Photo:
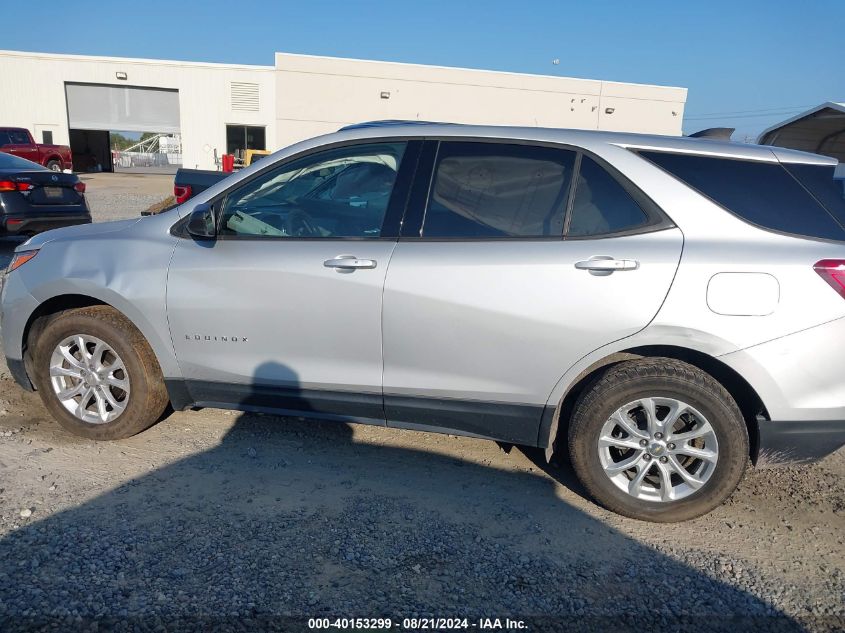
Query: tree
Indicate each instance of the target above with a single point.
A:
(119, 142)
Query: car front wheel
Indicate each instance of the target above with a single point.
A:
(658, 440)
(97, 375)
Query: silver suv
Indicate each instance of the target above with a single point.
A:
(664, 309)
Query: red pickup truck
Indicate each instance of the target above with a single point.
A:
(18, 141)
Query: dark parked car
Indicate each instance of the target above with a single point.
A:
(35, 199)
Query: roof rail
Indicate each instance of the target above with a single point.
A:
(387, 123)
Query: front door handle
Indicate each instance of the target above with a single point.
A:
(348, 262)
(604, 265)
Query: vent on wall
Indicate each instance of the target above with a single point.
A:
(244, 96)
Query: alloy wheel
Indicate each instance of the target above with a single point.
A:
(89, 379)
(658, 449)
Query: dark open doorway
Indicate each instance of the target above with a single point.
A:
(90, 149)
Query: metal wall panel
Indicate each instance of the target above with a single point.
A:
(123, 108)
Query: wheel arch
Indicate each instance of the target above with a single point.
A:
(69, 301)
(746, 397)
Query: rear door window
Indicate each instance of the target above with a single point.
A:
(601, 205)
(762, 193)
(492, 190)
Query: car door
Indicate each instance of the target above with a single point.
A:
(282, 310)
(515, 261)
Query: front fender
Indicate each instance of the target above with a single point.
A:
(125, 268)
(159, 340)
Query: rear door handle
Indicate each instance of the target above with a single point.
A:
(604, 265)
(349, 262)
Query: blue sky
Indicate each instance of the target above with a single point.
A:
(747, 64)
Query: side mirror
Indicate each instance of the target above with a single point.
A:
(201, 223)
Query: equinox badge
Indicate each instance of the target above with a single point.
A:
(221, 339)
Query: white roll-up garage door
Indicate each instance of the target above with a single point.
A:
(122, 108)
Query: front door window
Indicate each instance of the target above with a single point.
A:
(334, 194)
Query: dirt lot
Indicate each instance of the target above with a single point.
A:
(219, 515)
(214, 520)
(121, 196)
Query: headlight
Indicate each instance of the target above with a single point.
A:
(21, 258)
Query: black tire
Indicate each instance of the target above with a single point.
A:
(147, 398)
(668, 378)
(53, 165)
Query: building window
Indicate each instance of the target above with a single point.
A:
(243, 137)
(47, 137)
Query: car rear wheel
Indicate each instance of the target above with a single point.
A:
(54, 165)
(658, 440)
(97, 375)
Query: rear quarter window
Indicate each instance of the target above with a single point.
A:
(764, 194)
(819, 181)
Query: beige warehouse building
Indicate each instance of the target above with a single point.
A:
(199, 111)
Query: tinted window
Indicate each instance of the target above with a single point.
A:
(339, 193)
(819, 180)
(496, 190)
(764, 194)
(7, 161)
(601, 204)
(4, 139)
(19, 138)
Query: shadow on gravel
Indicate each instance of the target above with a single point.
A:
(288, 519)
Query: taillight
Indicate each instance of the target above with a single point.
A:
(10, 185)
(80, 187)
(181, 193)
(833, 272)
(21, 258)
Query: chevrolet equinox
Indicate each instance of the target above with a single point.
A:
(666, 310)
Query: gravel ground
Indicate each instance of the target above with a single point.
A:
(220, 521)
(120, 196)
